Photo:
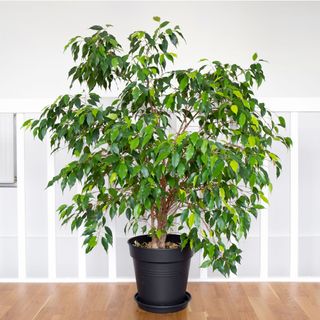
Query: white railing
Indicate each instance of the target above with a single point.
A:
(22, 106)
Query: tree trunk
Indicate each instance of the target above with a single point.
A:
(157, 243)
(162, 221)
(161, 217)
(154, 242)
(162, 241)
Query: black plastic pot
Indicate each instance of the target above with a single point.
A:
(161, 275)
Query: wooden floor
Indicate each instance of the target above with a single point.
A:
(115, 301)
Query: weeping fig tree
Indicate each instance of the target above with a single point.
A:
(139, 156)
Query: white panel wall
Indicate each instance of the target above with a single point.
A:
(35, 164)
(279, 212)
(8, 233)
(266, 251)
(7, 155)
(309, 189)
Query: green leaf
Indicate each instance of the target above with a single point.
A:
(112, 116)
(135, 228)
(252, 141)
(134, 143)
(163, 154)
(27, 123)
(194, 137)
(92, 243)
(105, 243)
(113, 177)
(254, 56)
(238, 94)
(182, 195)
(204, 146)
(137, 210)
(164, 24)
(145, 171)
(205, 264)
(183, 83)
(242, 119)
(234, 165)
(98, 28)
(181, 169)
(122, 170)
(114, 134)
(89, 119)
(164, 45)
(234, 109)
(181, 137)
(254, 120)
(111, 159)
(175, 159)
(114, 62)
(191, 220)
(282, 122)
(156, 18)
(146, 139)
(263, 197)
(122, 207)
(189, 152)
(273, 156)
(218, 167)
(159, 233)
(222, 193)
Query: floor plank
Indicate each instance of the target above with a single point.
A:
(210, 301)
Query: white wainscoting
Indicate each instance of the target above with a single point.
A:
(283, 244)
(7, 146)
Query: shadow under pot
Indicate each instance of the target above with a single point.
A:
(161, 275)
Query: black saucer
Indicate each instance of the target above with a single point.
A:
(163, 309)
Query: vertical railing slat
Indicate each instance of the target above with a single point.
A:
(51, 207)
(264, 237)
(294, 198)
(21, 207)
(112, 258)
(203, 271)
(82, 270)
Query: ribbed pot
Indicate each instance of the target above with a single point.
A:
(161, 275)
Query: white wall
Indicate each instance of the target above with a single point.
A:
(33, 66)
(33, 34)
(7, 154)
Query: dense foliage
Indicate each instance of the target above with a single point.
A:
(130, 160)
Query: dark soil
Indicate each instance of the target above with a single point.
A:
(148, 245)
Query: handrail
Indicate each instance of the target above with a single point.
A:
(276, 104)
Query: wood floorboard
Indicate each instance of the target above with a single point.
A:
(210, 301)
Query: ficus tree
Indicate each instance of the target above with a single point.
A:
(131, 160)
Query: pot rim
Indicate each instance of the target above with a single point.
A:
(130, 240)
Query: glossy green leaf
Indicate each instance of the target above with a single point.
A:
(183, 83)
(234, 109)
(122, 170)
(242, 119)
(134, 143)
(252, 141)
(234, 165)
(189, 152)
(175, 159)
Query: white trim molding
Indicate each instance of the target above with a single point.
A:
(277, 104)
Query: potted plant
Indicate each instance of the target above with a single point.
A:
(183, 191)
